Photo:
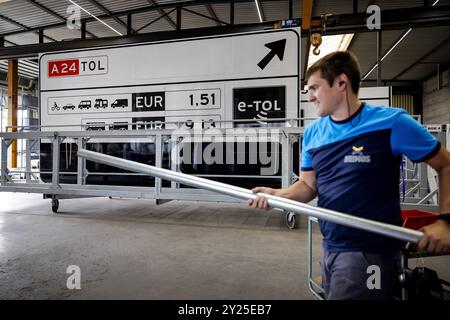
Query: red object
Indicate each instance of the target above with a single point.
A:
(416, 219)
(63, 68)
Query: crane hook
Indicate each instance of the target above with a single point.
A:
(316, 51)
(316, 40)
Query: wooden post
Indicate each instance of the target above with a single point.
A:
(307, 14)
(13, 101)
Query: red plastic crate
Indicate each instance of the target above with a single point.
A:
(416, 219)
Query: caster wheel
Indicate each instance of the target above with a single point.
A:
(55, 205)
(290, 220)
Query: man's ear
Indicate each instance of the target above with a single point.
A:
(342, 84)
(342, 81)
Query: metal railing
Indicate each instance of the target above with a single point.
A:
(160, 139)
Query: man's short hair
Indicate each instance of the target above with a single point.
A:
(336, 63)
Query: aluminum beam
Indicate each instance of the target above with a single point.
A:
(245, 194)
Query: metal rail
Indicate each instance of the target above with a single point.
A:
(245, 194)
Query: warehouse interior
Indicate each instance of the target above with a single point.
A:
(128, 239)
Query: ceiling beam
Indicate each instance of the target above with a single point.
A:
(442, 68)
(155, 20)
(382, 55)
(44, 8)
(27, 29)
(179, 18)
(129, 24)
(387, 82)
(164, 14)
(396, 19)
(355, 6)
(435, 62)
(291, 9)
(117, 19)
(11, 43)
(34, 49)
(53, 13)
(392, 19)
(205, 16)
(232, 12)
(213, 13)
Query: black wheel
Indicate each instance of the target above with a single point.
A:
(290, 220)
(55, 205)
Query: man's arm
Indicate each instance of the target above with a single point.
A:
(441, 163)
(437, 235)
(304, 190)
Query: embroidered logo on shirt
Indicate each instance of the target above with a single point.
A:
(357, 156)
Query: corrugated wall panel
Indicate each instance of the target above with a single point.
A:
(190, 20)
(120, 5)
(141, 19)
(276, 10)
(60, 7)
(26, 14)
(245, 13)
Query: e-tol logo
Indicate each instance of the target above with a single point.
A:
(259, 104)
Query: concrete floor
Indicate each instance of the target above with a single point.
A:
(133, 249)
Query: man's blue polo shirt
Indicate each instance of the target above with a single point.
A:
(357, 167)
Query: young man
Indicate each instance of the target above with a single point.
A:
(351, 160)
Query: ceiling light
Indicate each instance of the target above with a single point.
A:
(104, 23)
(259, 10)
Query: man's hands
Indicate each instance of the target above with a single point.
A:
(436, 238)
(261, 202)
(304, 190)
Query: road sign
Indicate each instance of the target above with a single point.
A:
(194, 78)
